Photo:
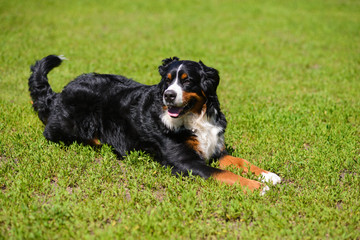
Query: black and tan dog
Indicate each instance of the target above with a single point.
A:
(179, 120)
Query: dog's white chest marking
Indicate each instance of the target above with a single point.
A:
(209, 135)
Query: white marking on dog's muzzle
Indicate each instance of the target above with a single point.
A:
(175, 86)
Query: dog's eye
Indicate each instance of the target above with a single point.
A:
(185, 79)
(167, 80)
(186, 82)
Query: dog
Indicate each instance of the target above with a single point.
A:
(178, 121)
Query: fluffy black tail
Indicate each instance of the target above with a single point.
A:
(41, 93)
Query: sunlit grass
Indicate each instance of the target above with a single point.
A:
(289, 88)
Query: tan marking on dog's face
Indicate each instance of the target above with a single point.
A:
(199, 101)
(169, 76)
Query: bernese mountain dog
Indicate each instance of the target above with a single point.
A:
(178, 121)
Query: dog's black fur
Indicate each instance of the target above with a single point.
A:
(131, 116)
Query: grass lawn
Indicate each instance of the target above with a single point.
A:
(290, 89)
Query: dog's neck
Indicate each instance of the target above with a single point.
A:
(209, 134)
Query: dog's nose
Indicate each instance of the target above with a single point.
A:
(170, 96)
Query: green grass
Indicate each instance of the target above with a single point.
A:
(290, 89)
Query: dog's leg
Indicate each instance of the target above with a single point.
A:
(265, 176)
(223, 176)
(184, 160)
(231, 178)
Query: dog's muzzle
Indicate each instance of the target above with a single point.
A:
(169, 97)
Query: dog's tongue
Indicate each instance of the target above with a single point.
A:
(175, 111)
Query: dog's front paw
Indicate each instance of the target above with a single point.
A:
(270, 177)
(264, 190)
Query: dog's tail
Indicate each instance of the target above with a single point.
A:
(40, 91)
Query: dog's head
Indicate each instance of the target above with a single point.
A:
(188, 86)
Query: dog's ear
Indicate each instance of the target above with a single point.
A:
(209, 79)
(165, 63)
(209, 82)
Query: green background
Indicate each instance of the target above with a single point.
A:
(289, 88)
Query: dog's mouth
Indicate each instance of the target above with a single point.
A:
(176, 112)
